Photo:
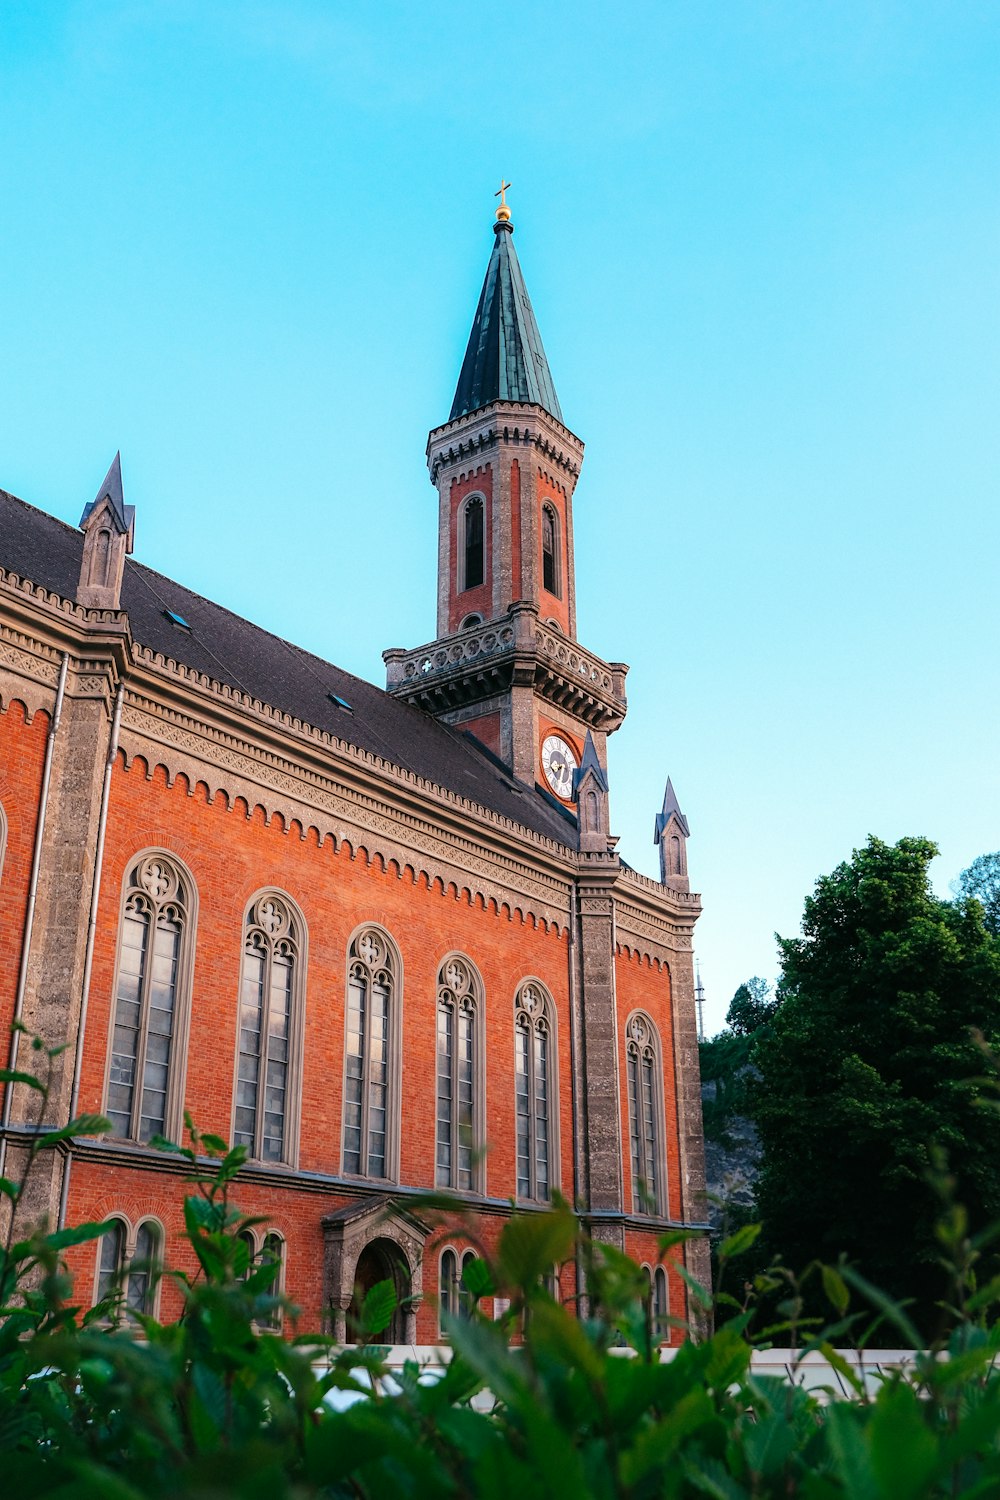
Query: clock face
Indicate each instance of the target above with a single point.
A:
(558, 763)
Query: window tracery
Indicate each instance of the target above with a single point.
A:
(151, 999)
(645, 1106)
(534, 1066)
(270, 980)
(372, 1023)
(458, 1085)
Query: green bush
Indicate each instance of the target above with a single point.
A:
(581, 1406)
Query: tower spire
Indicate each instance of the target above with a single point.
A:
(504, 360)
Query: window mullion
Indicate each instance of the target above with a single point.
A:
(143, 1032)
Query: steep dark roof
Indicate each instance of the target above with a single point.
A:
(232, 651)
(505, 360)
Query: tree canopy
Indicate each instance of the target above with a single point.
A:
(981, 882)
(871, 1061)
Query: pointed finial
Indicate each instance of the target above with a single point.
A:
(503, 212)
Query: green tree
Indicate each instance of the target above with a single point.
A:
(751, 1007)
(981, 882)
(872, 1060)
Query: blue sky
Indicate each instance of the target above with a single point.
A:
(244, 243)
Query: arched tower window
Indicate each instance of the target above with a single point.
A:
(270, 981)
(550, 550)
(459, 1127)
(473, 529)
(151, 999)
(372, 1023)
(645, 1108)
(3, 837)
(534, 1066)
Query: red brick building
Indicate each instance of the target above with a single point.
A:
(382, 938)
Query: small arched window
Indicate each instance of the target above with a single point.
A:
(270, 980)
(273, 1254)
(534, 1064)
(369, 1084)
(151, 999)
(660, 1309)
(459, 1126)
(645, 1107)
(473, 530)
(128, 1268)
(550, 550)
(454, 1296)
(470, 622)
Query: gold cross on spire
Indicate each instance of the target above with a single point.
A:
(503, 212)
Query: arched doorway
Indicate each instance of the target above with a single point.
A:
(379, 1261)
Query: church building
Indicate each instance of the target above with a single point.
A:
(380, 937)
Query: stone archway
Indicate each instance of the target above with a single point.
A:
(380, 1260)
(365, 1242)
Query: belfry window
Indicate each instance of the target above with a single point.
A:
(268, 995)
(533, 1092)
(458, 1128)
(151, 1000)
(645, 1112)
(371, 1023)
(550, 554)
(474, 553)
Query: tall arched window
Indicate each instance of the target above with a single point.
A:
(151, 999)
(660, 1309)
(645, 1111)
(473, 530)
(3, 837)
(534, 1066)
(270, 980)
(369, 1082)
(459, 1128)
(550, 550)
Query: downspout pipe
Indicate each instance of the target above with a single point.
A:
(29, 919)
(88, 963)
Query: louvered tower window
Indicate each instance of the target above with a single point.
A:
(474, 550)
(533, 1089)
(151, 991)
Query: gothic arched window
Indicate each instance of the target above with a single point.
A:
(550, 550)
(270, 980)
(645, 1112)
(534, 1092)
(3, 836)
(151, 999)
(660, 1309)
(458, 1064)
(369, 1082)
(474, 552)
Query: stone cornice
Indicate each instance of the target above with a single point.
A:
(468, 438)
(652, 919)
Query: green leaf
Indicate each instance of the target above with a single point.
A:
(740, 1241)
(378, 1307)
(477, 1278)
(82, 1125)
(12, 1075)
(531, 1244)
(79, 1234)
(903, 1452)
(893, 1311)
(835, 1288)
(214, 1144)
(9, 1189)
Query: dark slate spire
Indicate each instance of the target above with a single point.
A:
(671, 809)
(505, 360)
(111, 490)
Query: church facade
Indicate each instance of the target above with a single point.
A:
(381, 938)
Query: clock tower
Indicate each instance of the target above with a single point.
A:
(506, 664)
